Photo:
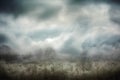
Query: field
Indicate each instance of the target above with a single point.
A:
(60, 71)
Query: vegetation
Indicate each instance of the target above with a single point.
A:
(60, 71)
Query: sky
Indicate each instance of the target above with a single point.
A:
(69, 27)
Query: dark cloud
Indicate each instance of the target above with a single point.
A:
(48, 13)
(38, 9)
(100, 41)
(81, 2)
(75, 2)
(114, 13)
(3, 38)
(2, 23)
(115, 1)
(10, 7)
(113, 41)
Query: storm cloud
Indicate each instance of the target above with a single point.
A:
(68, 27)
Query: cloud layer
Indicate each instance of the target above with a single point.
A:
(69, 27)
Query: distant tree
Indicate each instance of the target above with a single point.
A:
(8, 54)
(50, 54)
(85, 61)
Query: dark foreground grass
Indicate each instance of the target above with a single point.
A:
(53, 74)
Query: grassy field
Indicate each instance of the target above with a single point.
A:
(60, 71)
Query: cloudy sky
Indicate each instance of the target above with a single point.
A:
(70, 27)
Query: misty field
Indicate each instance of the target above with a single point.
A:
(60, 71)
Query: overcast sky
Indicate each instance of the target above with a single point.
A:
(70, 27)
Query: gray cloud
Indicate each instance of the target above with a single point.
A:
(75, 2)
(114, 13)
(3, 23)
(100, 41)
(48, 13)
(65, 27)
(36, 9)
(3, 38)
(115, 1)
(68, 48)
(10, 7)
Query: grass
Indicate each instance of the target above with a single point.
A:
(60, 71)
